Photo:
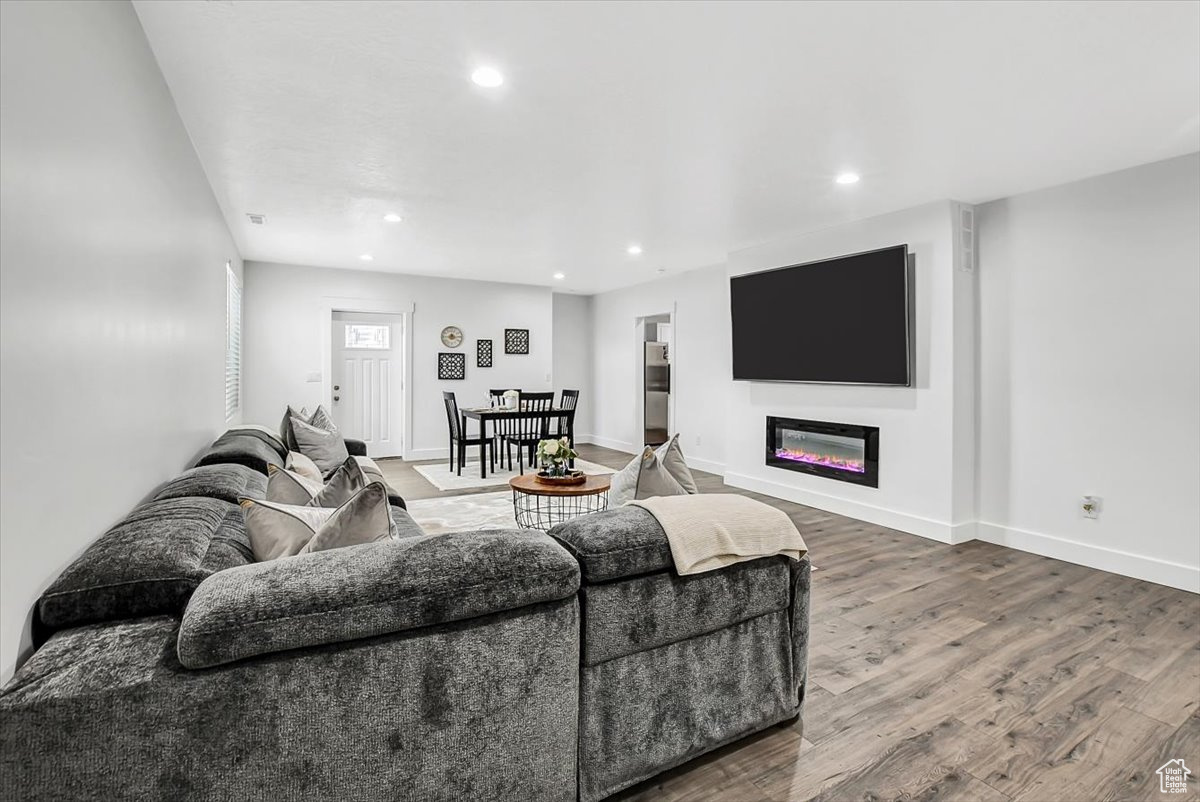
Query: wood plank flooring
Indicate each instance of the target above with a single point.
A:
(969, 672)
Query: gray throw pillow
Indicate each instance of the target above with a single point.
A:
(291, 487)
(321, 420)
(285, 426)
(643, 477)
(671, 457)
(326, 448)
(285, 530)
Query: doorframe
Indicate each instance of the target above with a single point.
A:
(639, 375)
(405, 311)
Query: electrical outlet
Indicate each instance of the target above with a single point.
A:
(1091, 506)
(697, 439)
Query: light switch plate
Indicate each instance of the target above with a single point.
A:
(314, 377)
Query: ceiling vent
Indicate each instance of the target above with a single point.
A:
(257, 219)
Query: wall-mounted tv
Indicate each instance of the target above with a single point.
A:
(837, 321)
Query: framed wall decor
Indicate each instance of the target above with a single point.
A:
(516, 341)
(452, 366)
(483, 353)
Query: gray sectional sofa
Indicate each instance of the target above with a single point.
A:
(497, 665)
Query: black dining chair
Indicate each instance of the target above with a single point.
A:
(501, 427)
(459, 439)
(564, 425)
(529, 429)
(498, 395)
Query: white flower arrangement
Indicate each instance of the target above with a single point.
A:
(554, 454)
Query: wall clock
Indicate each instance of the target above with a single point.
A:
(452, 336)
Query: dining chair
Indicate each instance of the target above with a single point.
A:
(501, 427)
(529, 428)
(459, 439)
(564, 425)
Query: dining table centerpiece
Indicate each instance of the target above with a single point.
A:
(554, 455)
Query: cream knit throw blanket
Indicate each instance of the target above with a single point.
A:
(710, 531)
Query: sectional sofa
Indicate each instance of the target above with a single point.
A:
(497, 665)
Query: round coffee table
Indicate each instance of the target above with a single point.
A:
(537, 505)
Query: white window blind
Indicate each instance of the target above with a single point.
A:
(233, 343)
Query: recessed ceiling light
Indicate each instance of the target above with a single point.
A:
(560, 276)
(487, 76)
(366, 257)
(634, 250)
(847, 178)
(392, 217)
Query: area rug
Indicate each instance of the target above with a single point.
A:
(438, 516)
(439, 475)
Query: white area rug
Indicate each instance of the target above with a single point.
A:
(439, 475)
(438, 516)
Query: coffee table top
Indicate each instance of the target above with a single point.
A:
(528, 484)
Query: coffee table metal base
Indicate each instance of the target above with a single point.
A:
(546, 512)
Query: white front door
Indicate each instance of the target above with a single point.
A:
(368, 380)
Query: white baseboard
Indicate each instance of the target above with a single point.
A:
(904, 522)
(609, 442)
(1162, 572)
(418, 454)
(701, 464)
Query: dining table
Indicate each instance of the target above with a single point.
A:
(491, 414)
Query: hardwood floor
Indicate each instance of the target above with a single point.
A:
(969, 672)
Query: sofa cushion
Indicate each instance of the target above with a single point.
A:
(149, 563)
(649, 611)
(245, 447)
(616, 543)
(369, 590)
(225, 482)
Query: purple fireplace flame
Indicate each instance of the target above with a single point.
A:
(824, 460)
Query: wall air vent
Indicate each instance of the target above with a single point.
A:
(257, 219)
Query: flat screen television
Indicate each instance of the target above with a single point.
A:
(837, 321)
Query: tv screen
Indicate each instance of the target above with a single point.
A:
(838, 321)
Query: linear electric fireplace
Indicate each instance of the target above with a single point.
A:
(833, 450)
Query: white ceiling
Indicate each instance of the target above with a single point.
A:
(693, 129)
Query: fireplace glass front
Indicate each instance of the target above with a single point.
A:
(835, 450)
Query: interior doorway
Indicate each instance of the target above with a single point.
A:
(655, 346)
(367, 373)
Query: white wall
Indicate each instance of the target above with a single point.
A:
(112, 291)
(284, 340)
(920, 455)
(573, 355)
(700, 366)
(1090, 371)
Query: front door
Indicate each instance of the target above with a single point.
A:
(368, 379)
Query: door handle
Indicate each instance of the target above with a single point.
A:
(337, 387)
(337, 398)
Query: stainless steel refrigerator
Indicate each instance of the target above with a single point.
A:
(657, 371)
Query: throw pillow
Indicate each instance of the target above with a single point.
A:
(298, 463)
(326, 448)
(671, 457)
(284, 530)
(321, 420)
(643, 477)
(285, 427)
(289, 487)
